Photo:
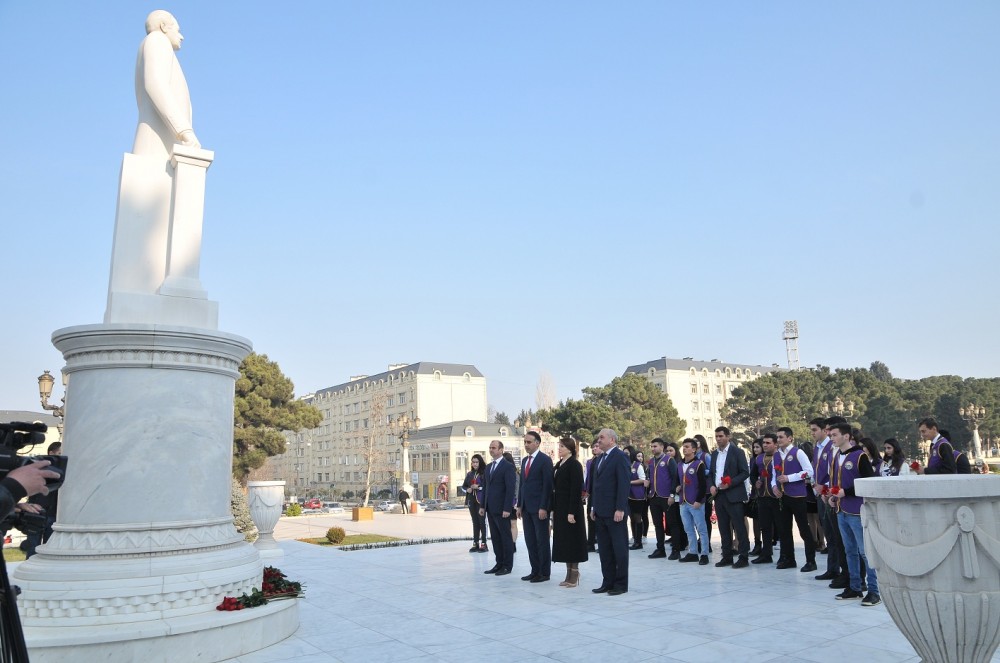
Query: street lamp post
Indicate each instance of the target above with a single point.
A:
(973, 415)
(839, 407)
(401, 427)
(45, 384)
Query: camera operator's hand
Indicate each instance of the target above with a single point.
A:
(32, 477)
(29, 507)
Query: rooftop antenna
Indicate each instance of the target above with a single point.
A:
(791, 337)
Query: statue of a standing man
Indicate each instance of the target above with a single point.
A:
(161, 91)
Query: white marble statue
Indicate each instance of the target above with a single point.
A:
(161, 91)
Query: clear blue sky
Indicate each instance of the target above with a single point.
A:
(569, 187)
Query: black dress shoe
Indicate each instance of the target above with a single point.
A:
(615, 591)
(762, 560)
(675, 555)
(703, 561)
(690, 557)
(808, 567)
(755, 551)
(839, 583)
(601, 590)
(741, 563)
(723, 562)
(503, 572)
(635, 546)
(540, 579)
(826, 576)
(657, 554)
(494, 569)
(785, 564)
(530, 576)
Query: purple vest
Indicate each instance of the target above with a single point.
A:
(661, 480)
(845, 476)
(935, 459)
(689, 481)
(636, 491)
(765, 469)
(821, 465)
(790, 465)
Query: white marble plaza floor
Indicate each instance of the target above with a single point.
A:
(432, 603)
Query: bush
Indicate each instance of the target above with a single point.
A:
(294, 509)
(335, 535)
(241, 513)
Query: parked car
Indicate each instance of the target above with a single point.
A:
(386, 506)
(333, 507)
(314, 503)
(432, 505)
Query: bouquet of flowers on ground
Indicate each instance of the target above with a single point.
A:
(274, 586)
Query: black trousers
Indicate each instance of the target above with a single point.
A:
(502, 538)
(478, 523)
(536, 540)
(730, 515)
(591, 527)
(678, 537)
(795, 507)
(658, 509)
(836, 558)
(612, 546)
(768, 512)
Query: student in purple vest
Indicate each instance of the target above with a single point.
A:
(852, 463)
(728, 486)
(678, 537)
(836, 564)
(768, 497)
(588, 478)
(892, 459)
(962, 464)
(661, 477)
(756, 449)
(942, 456)
(534, 501)
(610, 502)
(636, 495)
(692, 486)
(793, 468)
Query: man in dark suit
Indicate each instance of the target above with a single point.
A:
(533, 504)
(729, 474)
(498, 504)
(608, 504)
(588, 483)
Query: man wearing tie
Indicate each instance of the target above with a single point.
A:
(498, 504)
(533, 504)
(609, 500)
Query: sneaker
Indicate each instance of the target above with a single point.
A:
(474, 549)
(871, 599)
(690, 557)
(703, 561)
(848, 595)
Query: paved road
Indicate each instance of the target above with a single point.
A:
(427, 525)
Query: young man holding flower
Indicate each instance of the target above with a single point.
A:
(729, 474)
(792, 468)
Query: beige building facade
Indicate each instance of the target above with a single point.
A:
(330, 457)
(698, 389)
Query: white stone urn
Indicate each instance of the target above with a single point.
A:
(266, 498)
(935, 544)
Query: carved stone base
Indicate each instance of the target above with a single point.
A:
(266, 499)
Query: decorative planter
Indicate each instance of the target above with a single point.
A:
(362, 513)
(266, 498)
(935, 543)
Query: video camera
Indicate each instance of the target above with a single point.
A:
(13, 437)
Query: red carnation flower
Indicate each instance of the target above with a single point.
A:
(805, 475)
(727, 481)
(687, 481)
(777, 468)
(915, 465)
(834, 490)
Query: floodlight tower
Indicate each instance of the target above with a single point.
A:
(791, 337)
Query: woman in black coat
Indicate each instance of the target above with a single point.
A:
(569, 536)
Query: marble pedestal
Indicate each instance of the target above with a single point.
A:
(144, 545)
(935, 544)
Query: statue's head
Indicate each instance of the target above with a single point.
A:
(163, 21)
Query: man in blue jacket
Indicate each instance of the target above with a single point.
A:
(609, 502)
(498, 504)
(533, 504)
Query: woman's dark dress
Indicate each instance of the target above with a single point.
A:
(569, 540)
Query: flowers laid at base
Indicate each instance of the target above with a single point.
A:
(275, 586)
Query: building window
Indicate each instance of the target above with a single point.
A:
(388, 401)
(469, 431)
(697, 424)
(319, 477)
(503, 432)
(718, 389)
(694, 406)
(694, 387)
(364, 422)
(704, 388)
(326, 476)
(402, 398)
(708, 406)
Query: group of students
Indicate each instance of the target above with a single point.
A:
(810, 485)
